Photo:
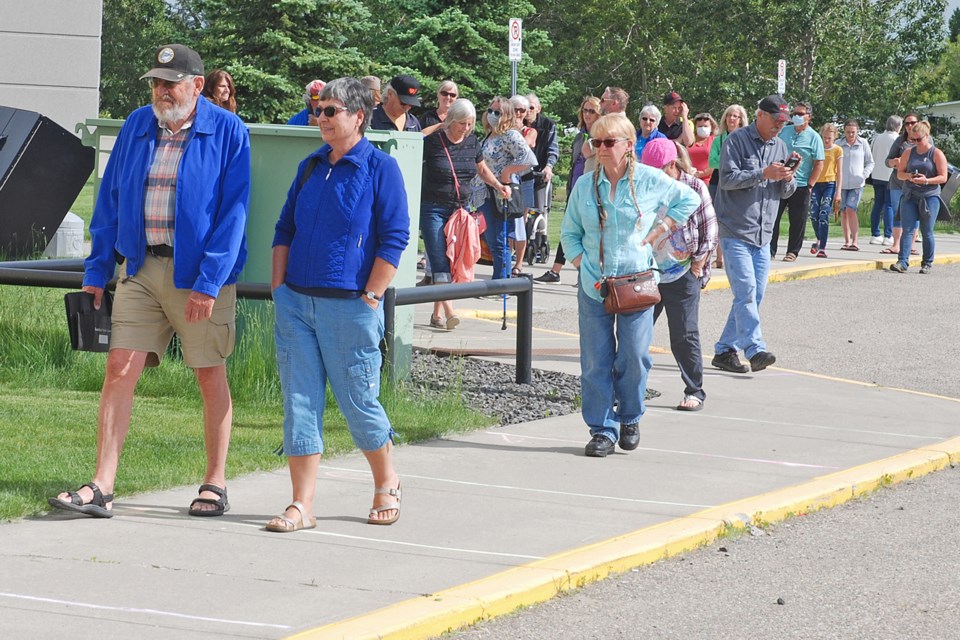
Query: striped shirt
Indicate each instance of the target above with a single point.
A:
(160, 200)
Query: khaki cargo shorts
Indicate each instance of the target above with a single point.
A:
(148, 309)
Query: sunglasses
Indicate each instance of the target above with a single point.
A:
(328, 111)
(646, 119)
(493, 112)
(519, 109)
(448, 94)
(799, 113)
(606, 142)
(911, 122)
(916, 139)
(593, 111)
(156, 83)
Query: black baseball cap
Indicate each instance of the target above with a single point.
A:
(776, 106)
(670, 97)
(407, 88)
(174, 62)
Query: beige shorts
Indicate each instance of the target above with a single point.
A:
(148, 309)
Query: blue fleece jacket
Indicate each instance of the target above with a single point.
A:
(213, 196)
(346, 215)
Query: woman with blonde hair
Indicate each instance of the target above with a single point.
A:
(825, 195)
(507, 155)
(734, 117)
(447, 93)
(607, 230)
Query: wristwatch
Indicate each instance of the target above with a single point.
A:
(370, 295)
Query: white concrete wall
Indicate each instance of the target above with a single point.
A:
(50, 58)
(944, 110)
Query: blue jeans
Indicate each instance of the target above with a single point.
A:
(747, 267)
(496, 238)
(821, 207)
(335, 340)
(909, 216)
(432, 219)
(882, 209)
(614, 364)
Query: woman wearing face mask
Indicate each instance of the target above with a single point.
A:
(506, 154)
(705, 132)
(734, 117)
(607, 230)
(433, 119)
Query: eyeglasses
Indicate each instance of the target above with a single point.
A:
(646, 119)
(519, 109)
(156, 83)
(448, 94)
(910, 122)
(606, 142)
(593, 111)
(329, 111)
(799, 113)
(493, 112)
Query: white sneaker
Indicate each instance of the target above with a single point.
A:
(887, 242)
(876, 240)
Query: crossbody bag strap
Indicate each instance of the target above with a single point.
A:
(602, 215)
(453, 170)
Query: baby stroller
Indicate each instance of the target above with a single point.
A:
(537, 219)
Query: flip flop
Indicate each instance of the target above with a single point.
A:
(914, 252)
(853, 247)
(696, 407)
(221, 506)
(96, 508)
(889, 251)
(286, 525)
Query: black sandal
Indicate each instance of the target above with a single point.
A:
(221, 504)
(97, 507)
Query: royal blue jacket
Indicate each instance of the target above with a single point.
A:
(345, 216)
(213, 196)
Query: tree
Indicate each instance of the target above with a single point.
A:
(133, 29)
(272, 49)
(953, 26)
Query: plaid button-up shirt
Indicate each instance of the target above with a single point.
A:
(160, 201)
(700, 230)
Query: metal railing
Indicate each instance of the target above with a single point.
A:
(68, 274)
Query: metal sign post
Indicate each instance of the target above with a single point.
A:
(514, 50)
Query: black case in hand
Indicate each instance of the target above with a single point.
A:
(89, 327)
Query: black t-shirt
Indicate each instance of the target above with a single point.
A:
(673, 131)
(437, 186)
(429, 118)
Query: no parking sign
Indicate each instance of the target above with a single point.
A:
(515, 40)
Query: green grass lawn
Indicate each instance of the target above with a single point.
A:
(49, 396)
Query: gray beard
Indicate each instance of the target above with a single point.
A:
(172, 113)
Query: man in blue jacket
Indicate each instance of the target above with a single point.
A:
(171, 212)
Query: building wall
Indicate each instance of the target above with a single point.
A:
(50, 58)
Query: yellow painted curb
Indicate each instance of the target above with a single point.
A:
(825, 269)
(538, 581)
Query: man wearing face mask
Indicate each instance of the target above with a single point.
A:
(802, 140)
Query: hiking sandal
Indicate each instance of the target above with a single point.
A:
(96, 508)
(221, 504)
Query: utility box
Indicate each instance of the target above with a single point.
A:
(67, 242)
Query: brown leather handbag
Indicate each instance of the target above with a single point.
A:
(628, 293)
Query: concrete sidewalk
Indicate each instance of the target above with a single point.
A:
(491, 520)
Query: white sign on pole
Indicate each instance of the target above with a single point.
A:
(515, 39)
(781, 76)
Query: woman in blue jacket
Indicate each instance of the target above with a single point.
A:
(336, 249)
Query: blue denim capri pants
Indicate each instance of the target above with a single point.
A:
(335, 340)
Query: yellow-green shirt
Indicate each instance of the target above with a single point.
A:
(830, 157)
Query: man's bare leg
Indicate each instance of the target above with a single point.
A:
(217, 422)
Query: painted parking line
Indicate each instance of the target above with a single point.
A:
(138, 610)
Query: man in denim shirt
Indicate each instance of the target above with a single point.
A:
(753, 180)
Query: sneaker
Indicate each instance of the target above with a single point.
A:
(629, 436)
(761, 360)
(452, 322)
(925, 268)
(650, 394)
(899, 267)
(550, 277)
(887, 242)
(598, 447)
(729, 361)
(876, 240)
(814, 248)
(437, 323)
(821, 254)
